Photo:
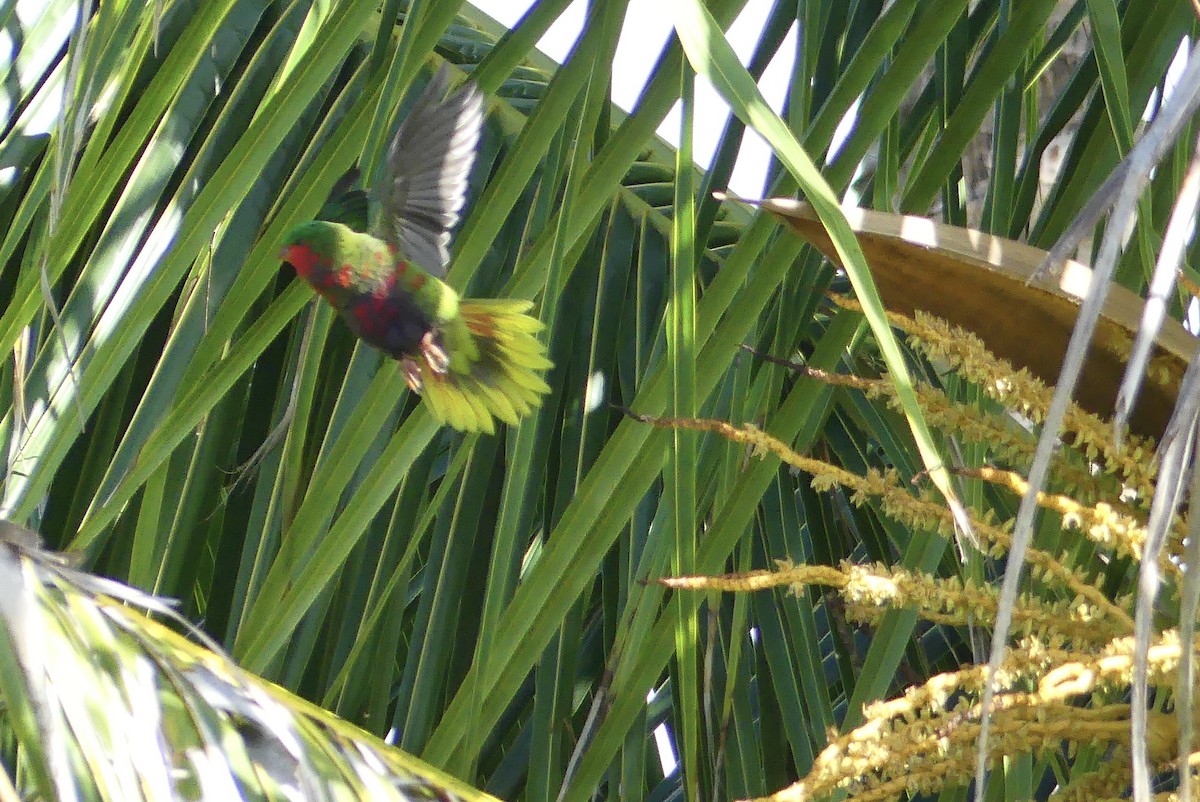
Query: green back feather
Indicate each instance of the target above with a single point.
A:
(350, 208)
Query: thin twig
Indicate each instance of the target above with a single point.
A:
(1166, 268)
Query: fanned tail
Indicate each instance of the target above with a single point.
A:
(504, 381)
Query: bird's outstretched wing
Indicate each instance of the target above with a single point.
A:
(428, 164)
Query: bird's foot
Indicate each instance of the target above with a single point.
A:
(435, 355)
(412, 374)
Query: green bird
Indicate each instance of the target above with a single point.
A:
(473, 360)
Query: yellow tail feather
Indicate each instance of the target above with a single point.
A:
(504, 382)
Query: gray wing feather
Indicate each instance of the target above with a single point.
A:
(428, 164)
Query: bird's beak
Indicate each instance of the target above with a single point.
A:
(284, 253)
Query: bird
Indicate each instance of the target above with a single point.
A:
(473, 360)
